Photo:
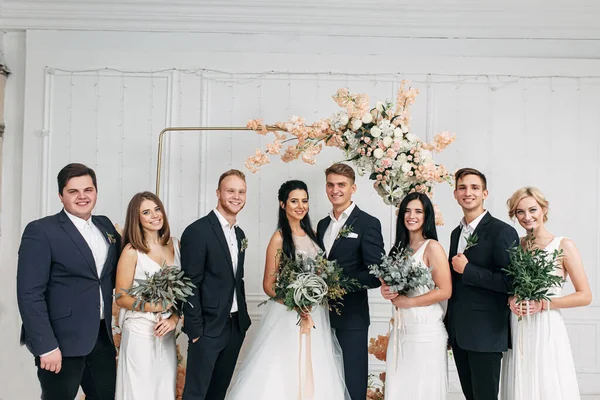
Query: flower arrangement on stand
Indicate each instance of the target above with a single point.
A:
(378, 347)
(378, 141)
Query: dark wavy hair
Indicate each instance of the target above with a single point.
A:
(429, 230)
(289, 249)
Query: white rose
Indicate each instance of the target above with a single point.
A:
(355, 124)
(387, 141)
(406, 167)
(401, 158)
(367, 118)
(411, 137)
(404, 128)
(378, 153)
(397, 132)
(375, 132)
(379, 106)
(344, 120)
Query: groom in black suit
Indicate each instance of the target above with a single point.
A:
(65, 281)
(352, 238)
(478, 314)
(212, 256)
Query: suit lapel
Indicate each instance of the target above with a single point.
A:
(454, 241)
(218, 230)
(79, 241)
(239, 235)
(111, 246)
(349, 223)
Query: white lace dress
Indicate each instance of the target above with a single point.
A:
(417, 357)
(147, 368)
(275, 365)
(540, 364)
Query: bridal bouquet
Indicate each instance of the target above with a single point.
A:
(167, 287)
(377, 140)
(532, 271)
(305, 282)
(402, 273)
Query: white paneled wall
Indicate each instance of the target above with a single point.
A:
(512, 121)
(538, 131)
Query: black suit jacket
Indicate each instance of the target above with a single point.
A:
(478, 313)
(354, 256)
(57, 285)
(206, 260)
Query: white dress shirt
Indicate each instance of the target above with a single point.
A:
(335, 226)
(231, 238)
(466, 230)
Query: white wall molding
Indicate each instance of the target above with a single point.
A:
(382, 18)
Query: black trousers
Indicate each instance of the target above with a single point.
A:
(96, 373)
(211, 362)
(479, 373)
(355, 348)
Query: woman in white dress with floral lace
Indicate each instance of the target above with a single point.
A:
(147, 366)
(540, 364)
(417, 360)
(275, 365)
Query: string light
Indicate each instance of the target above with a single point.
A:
(121, 150)
(97, 112)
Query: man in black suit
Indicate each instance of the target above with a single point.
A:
(352, 238)
(478, 315)
(65, 281)
(212, 256)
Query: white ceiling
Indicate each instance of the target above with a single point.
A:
(520, 19)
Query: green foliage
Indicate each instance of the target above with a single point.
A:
(532, 270)
(402, 273)
(167, 287)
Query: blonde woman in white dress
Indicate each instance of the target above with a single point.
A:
(147, 368)
(540, 364)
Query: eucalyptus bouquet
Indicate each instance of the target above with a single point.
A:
(402, 273)
(532, 270)
(167, 287)
(304, 282)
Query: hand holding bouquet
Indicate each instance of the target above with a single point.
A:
(532, 271)
(402, 273)
(166, 287)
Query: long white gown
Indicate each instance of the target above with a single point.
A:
(540, 364)
(147, 367)
(417, 357)
(271, 369)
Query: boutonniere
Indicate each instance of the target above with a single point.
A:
(344, 232)
(111, 238)
(471, 241)
(244, 244)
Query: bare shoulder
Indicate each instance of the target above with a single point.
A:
(276, 239)
(568, 246)
(129, 253)
(434, 248)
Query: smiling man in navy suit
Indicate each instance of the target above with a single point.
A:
(65, 282)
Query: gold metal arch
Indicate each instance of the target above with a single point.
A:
(162, 134)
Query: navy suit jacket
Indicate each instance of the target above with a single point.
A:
(206, 260)
(354, 256)
(478, 317)
(58, 285)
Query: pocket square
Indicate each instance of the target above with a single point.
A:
(352, 235)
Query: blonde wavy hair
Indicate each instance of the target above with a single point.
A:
(527, 191)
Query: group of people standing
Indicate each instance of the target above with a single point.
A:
(71, 263)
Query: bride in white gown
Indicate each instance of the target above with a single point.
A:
(281, 360)
(147, 366)
(417, 361)
(540, 364)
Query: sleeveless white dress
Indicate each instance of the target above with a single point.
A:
(147, 368)
(540, 364)
(271, 369)
(420, 371)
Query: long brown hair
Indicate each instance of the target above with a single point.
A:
(133, 233)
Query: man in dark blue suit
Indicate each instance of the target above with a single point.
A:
(65, 281)
(478, 319)
(352, 238)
